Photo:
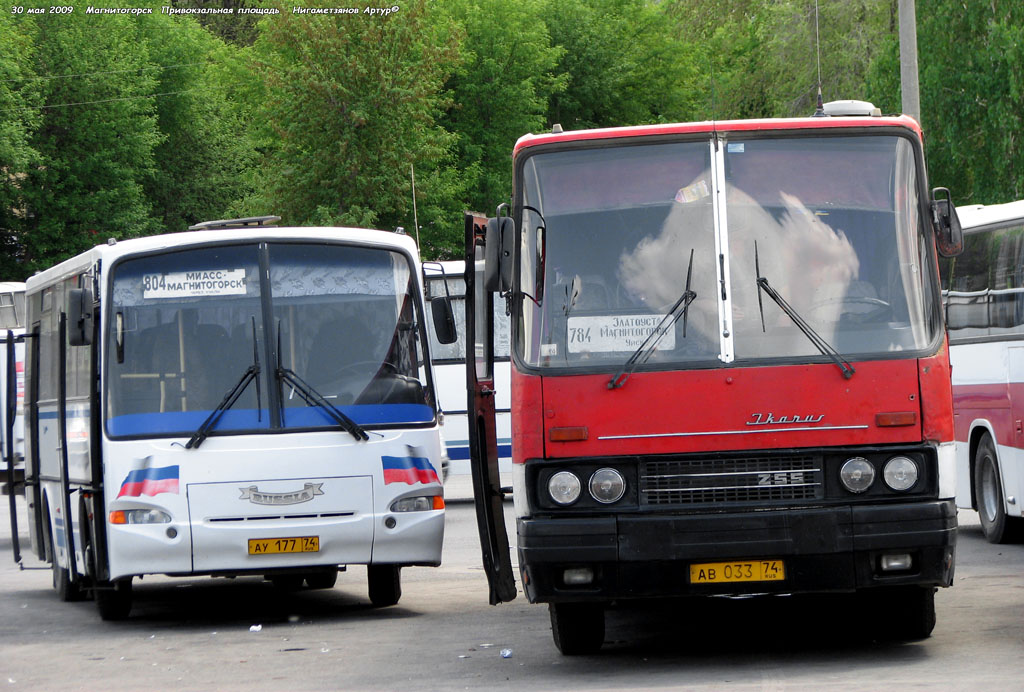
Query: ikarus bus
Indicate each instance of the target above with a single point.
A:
(237, 400)
(729, 370)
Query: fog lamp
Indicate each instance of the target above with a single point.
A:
(896, 563)
(564, 487)
(857, 474)
(900, 473)
(607, 485)
(578, 576)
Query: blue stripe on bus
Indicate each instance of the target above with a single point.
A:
(458, 452)
(186, 422)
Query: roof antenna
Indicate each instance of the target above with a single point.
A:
(819, 112)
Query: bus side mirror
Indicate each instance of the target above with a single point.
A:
(498, 243)
(80, 317)
(949, 236)
(444, 319)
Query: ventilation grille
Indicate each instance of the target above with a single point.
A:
(761, 480)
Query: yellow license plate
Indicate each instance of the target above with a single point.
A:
(738, 571)
(276, 546)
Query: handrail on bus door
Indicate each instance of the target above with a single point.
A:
(9, 415)
(62, 439)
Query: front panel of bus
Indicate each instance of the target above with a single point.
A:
(268, 405)
(728, 346)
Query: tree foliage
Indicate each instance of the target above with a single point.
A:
(95, 138)
(353, 102)
(114, 125)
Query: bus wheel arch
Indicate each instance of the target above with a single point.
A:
(67, 590)
(977, 434)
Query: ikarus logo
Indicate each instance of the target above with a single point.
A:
(770, 419)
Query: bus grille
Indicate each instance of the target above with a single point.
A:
(764, 480)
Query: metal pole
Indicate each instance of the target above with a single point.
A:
(908, 60)
(415, 221)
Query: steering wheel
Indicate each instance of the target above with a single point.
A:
(339, 388)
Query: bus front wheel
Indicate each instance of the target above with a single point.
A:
(114, 599)
(385, 582)
(577, 628)
(988, 489)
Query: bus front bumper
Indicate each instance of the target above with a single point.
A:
(818, 550)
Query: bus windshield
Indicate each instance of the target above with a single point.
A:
(184, 327)
(612, 237)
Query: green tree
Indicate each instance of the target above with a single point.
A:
(500, 90)
(205, 151)
(95, 140)
(19, 116)
(971, 63)
(761, 57)
(353, 102)
(624, 63)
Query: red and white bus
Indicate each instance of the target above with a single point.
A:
(729, 368)
(984, 290)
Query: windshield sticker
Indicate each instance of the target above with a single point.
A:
(214, 282)
(692, 193)
(615, 333)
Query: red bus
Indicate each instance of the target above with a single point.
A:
(730, 373)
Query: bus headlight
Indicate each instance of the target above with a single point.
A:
(900, 473)
(564, 487)
(139, 516)
(857, 474)
(418, 504)
(607, 486)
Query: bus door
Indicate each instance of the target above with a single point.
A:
(483, 441)
(11, 403)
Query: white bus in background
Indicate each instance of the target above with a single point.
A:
(265, 407)
(447, 278)
(984, 294)
(12, 384)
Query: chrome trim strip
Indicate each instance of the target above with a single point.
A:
(730, 487)
(732, 432)
(713, 474)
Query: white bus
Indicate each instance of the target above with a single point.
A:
(447, 279)
(984, 291)
(12, 383)
(263, 405)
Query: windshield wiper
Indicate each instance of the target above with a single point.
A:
(643, 352)
(251, 373)
(315, 398)
(819, 342)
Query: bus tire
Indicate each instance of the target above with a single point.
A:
(114, 599)
(322, 580)
(988, 490)
(385, 584)
(577, 628)
(906, 613)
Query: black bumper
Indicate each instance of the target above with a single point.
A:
(831, 549)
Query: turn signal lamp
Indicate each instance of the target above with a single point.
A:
(573, 434)
(895, 419)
